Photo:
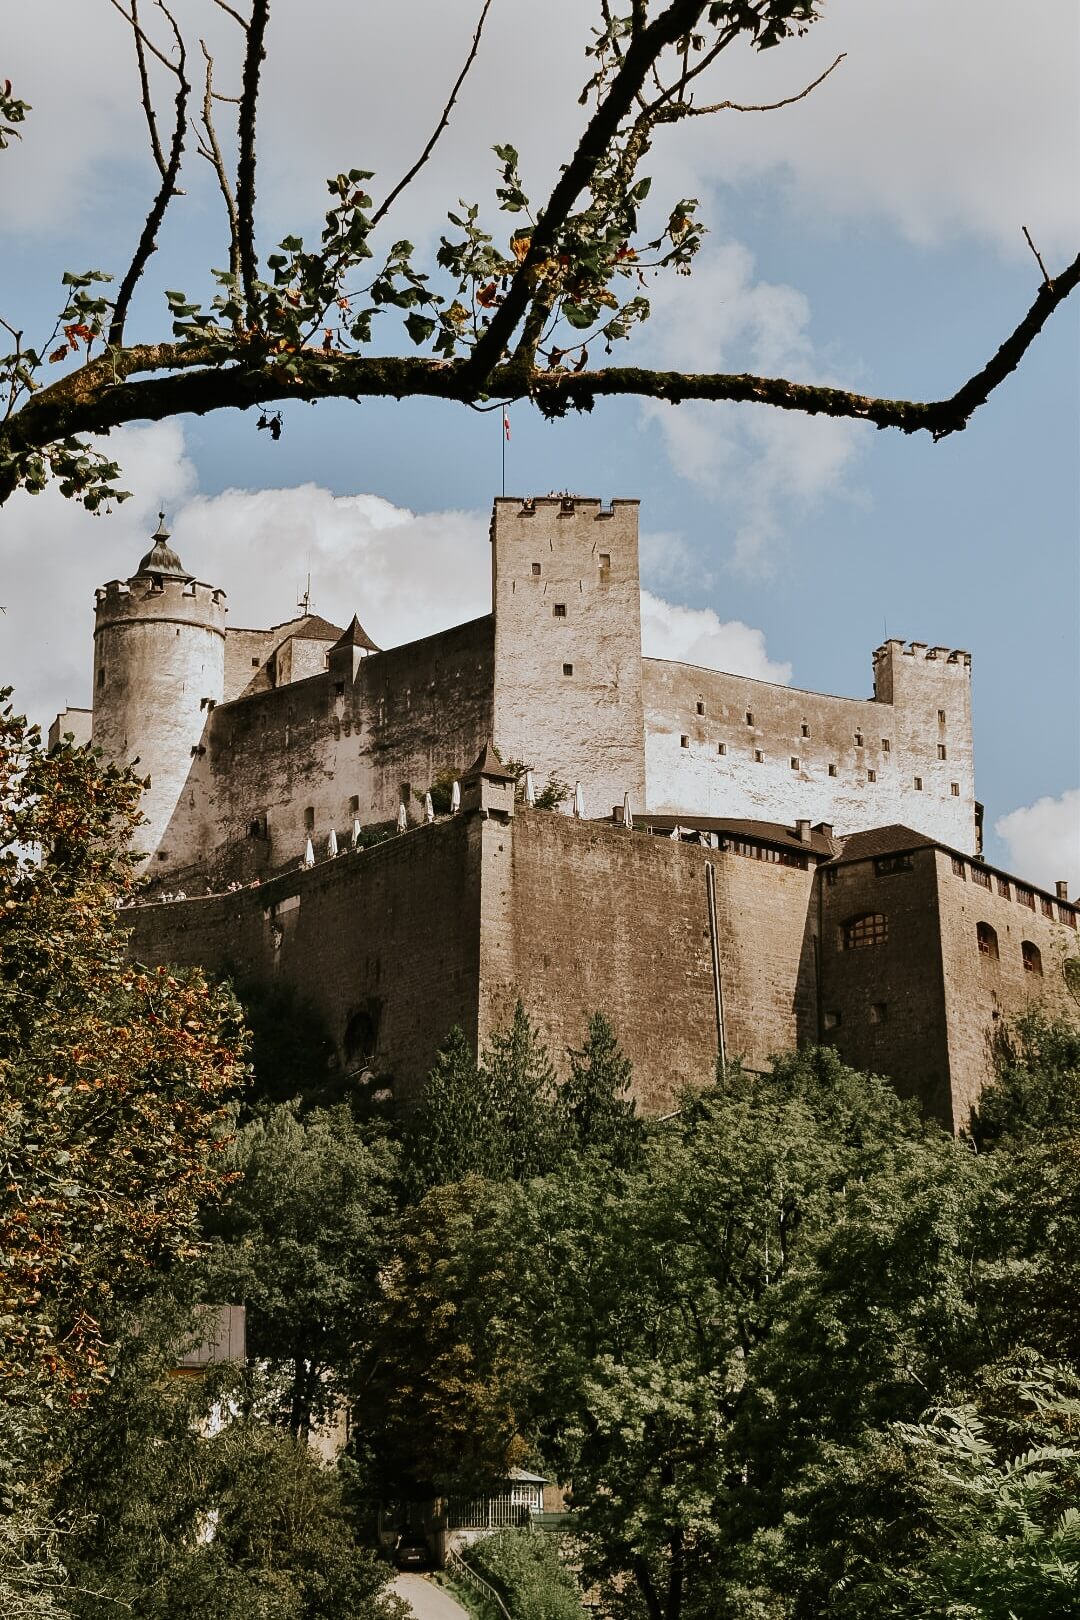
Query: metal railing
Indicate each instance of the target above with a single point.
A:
(457, 1566)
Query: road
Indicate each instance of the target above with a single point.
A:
(426, 1600)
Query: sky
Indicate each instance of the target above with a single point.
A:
(869, 235)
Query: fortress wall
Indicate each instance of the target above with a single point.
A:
(982, 991)
(883, 1005)
(874, 784)
(246, 652)
(384, 941)
(581, 917)
(302, 753)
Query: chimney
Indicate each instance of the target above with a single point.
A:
(824, 828)
(803, 830)
(1062, 888)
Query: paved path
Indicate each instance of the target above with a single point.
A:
(426, 1600)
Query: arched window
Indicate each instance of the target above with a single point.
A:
(872, 928)
(987, 938)
(1032, 958)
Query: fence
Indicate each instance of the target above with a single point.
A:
(457, 1566)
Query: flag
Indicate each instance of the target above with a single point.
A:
(506, 426)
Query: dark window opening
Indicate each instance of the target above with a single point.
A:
(1025, 897)
(959, 867)
(721, 748)
(1003, 888)
(871, 928)
(568, 669)
(885, 745)
(354, 805)
(987, 940)
(254, 663)
(605, 559)
(871, 776)
(1032, 958)
(759, 757)
(101, 676)
(1047, 906)
(309, 818)
(794, 763)
(700, 707)
(684, 741)
(805, 729)
(749, 717)
(832, 770)
(941, 717)
(362, 1036)
(858, 739)
(536, 569)
(879, 1011)
(941, 753)
(954, 789)
(257, 827)
(981, 876)
(559, 610)
(918, 784)
(887, 865)
(833, 1020)
(339, 688)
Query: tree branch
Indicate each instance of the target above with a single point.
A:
(212, 153)
(144, 85)
(147, 243)
(245, 169)
(743, 106)
(384, 209)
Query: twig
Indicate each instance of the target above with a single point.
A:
(384, 208)
(765, 106)
(147, 243)
(217, 163)
(144, 84)
(147, 41)
(235, 15)
(1046, 279)
(245, 168)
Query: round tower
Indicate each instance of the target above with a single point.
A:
(159, 669)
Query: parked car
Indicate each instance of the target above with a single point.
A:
(412, 1553)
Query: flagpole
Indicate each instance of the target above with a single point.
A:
(502, 438)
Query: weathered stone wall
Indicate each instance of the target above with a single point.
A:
(301, 760)
(984, 989)
(159, 652)
(384, 944)
(851, 761)
(78, 722)
(580, 918)
(567, 602)
(883, 1005)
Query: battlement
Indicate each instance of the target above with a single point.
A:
(146, 597)
(920, 651)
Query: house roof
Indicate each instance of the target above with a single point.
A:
(892, 840)
(161, 559)
(311, 627)
(488, 764)
(356, 636)
(776, 833)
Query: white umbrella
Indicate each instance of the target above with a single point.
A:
(309, 853)
(627, 813)
(530, 790)
(355, 840)
(402, 819)
(676, 833)
(331, 843)
(579, 802)
(429, 809)
(455, 798)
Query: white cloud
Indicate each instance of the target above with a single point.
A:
(769, 467)
(1044, 840)
(700, 636)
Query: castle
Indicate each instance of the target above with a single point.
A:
(748, 867)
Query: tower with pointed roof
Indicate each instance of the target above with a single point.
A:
(159, 669)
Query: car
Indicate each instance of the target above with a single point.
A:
(411, 1553)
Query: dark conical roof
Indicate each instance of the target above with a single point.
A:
(489, 764)
(356, 636)
(161, 558)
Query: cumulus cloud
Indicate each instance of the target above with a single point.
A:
(700, 636)
(1044, 840)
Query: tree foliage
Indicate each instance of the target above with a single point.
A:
(496, 315)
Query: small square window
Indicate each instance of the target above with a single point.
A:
(879, 1011)
(536, 570)
(918, 784)
(101, 676)
(684, 741)
(721, 748)
(941, 717)
(833, 1020)
(871, 776)
(559, 610)
(309, 818)
(759, 757)
(605, 559)
(941, 751)
(749, 717)
(832, 770)
(805, 729)
(354, 805)
(568, 669)
(254, 663)
(700, 707)
(954, 789)
(885, 745)
(858, 739)
(794, 763)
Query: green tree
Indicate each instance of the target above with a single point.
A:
(518, 314)
(597, 1110)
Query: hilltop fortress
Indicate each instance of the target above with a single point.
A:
(800, 867)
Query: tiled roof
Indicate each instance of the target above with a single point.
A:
(766, 832)
(891, 840)
(313, 628)
(356, 636)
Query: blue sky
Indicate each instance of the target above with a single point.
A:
(869, 236)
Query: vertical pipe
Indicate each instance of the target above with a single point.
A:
(718, 988)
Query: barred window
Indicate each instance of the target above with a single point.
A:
(981, 876)
(871, 928)
(1003, 888)
(959, 867)
(987, 940)
(1032, 958)
(1047, 906)
(1025, 897)
(886, 865)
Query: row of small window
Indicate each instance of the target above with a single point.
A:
(988, 946)
(603, 562)
(797, 764)
(857, 737)
(1009, 890)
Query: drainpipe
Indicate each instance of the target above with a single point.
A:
(714, 937)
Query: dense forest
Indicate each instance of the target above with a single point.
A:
(794, 1350)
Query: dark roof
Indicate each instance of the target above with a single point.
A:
(891, 840)
(356, 636)
(312, 628)
(776, 833)
(487, 763)
(161, 559)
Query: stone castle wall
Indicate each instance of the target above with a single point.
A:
(726, 745)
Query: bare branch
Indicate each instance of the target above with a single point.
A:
(144, 85)
(1046, 279)
(384, 209)
(245, 169)
(146, 40)
(147, 243)
(743, 106)
(235, 15)
(212, 153)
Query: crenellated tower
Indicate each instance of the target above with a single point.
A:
(159, 670)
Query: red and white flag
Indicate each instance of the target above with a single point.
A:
(506, 426)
